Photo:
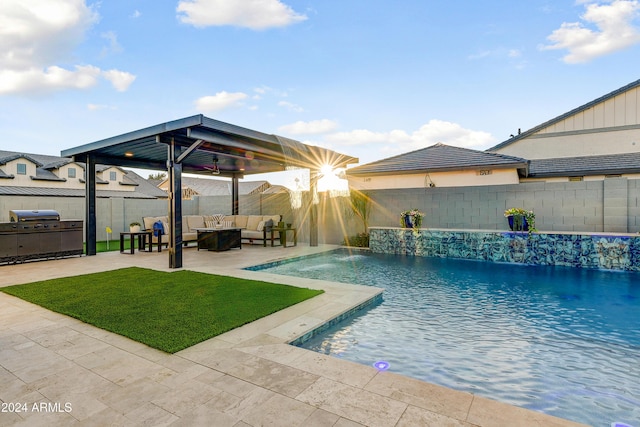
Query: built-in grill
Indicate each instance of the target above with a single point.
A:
(39, 234)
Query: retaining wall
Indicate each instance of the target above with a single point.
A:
(585, 250)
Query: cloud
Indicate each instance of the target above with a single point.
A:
(120, 80)
(615, 31)
(96, 107)
(114, 46)
(400, 141)
(220, 101)
(37, 35)
(254, 14)
(313, 127)
(291, 106)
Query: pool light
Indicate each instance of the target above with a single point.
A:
(381, 365)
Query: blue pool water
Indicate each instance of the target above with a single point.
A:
(562, 341)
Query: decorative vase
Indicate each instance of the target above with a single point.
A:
(408, 221)
(518, 223)
(134, 228)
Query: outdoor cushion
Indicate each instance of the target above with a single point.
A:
(194, 221)
(274, 218)
(241, 221)
(253, 221)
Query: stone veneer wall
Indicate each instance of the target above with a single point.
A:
(617, 252)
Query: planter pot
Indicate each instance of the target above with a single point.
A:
(408, 221)
(134, 228)
(518, 223)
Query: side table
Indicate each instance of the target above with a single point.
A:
(283, 236)
(142, 240)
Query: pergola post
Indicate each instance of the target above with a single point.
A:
(175, 209)
(235, 198)
(313, 213)
(90, 205)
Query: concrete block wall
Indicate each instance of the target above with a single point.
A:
(612, 205)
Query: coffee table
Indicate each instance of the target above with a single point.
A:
(219, 239)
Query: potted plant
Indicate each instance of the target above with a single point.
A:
(411, 219)
(134, 227)
(521, 219)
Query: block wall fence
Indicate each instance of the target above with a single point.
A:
(611, 205)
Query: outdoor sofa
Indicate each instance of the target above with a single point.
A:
(253, 228)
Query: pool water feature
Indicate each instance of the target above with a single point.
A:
(559, 340)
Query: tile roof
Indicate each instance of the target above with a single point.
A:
(610, 164)
(69, 192)
(438, 158)
(39, 159)
(220, 187)
(565, 115)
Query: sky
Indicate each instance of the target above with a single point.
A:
(371, 79)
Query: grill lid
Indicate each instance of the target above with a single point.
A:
(20, 215)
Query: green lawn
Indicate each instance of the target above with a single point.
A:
(167, 311)
(114, 245)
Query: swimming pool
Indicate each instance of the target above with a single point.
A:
(560, 340)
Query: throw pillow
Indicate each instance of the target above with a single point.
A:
(260, 226)
(210, 224)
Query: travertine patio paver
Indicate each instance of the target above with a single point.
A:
(246, 377)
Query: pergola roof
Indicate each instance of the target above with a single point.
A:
(195, 145)
(198, 139)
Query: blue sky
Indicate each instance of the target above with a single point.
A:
(368, 78)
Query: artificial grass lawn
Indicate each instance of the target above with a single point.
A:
(167, 311)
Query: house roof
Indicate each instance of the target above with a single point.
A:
(70, 192)
(561, 117)
(220, 187)
(439, 158)
(38, 159)
(610, 164)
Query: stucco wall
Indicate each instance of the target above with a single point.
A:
(458, 178)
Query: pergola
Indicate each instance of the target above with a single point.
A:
(195, 145)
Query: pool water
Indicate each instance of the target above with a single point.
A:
(559, 340)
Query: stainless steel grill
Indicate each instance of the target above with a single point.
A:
(38, 234)
(40, 215)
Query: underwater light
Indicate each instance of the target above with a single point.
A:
(381, 365)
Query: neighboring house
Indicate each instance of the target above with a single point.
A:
(215, 187)
(439, 165)
(585, 168)
(605, 126)
(598, 140)
(23, 174)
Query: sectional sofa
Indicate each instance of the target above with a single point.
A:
(254, 228)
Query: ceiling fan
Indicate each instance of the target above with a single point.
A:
(215, 170)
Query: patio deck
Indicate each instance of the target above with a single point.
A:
(245, 377)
